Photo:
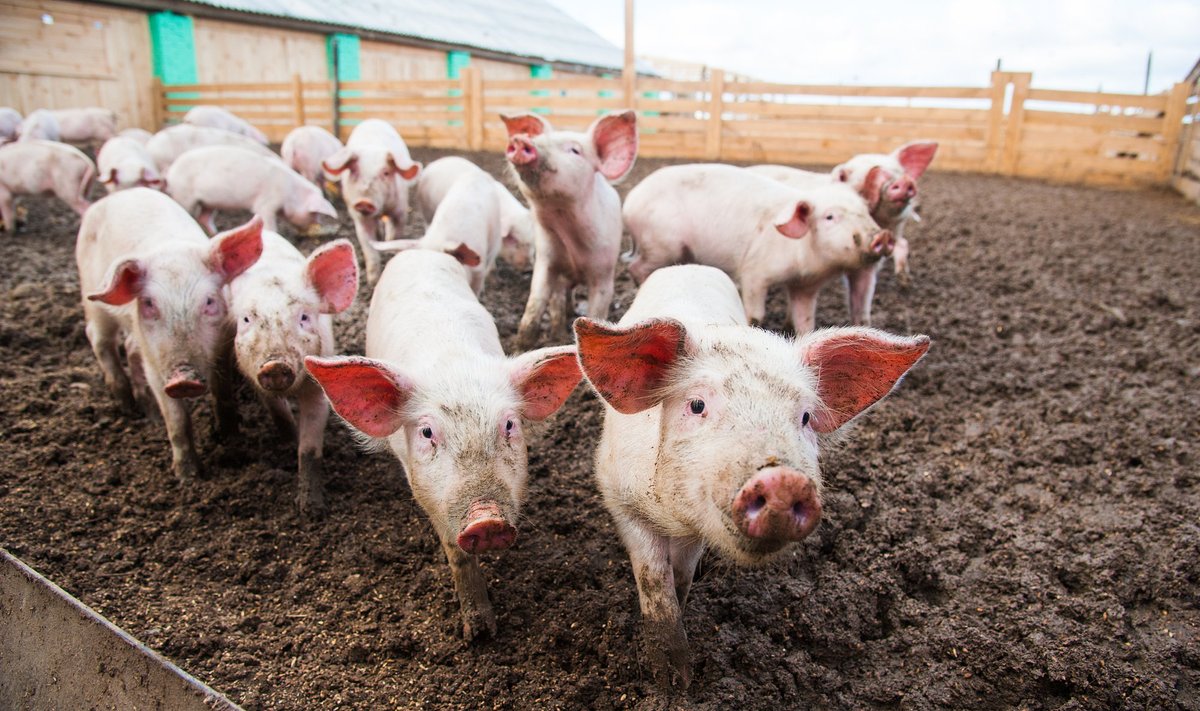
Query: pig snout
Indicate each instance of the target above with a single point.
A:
(521, 151)
(777, 504)
(184, 382)
(365, 208)
(883, 244)
(902, 190)
(276, 376)
(485, 529)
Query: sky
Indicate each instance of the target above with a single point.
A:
(1082, 45)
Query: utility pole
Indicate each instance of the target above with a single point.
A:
(629, 74)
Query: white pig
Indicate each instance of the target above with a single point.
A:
(712, 433)
(757, 230)
(10, 124)
(140, 135)
(146, 269)
(88, 126)
(438, 391)
(375, 170)
(35, 167)
(470, 215)
(171, 142)
(40, 125)
(217, 117)
(124, 163)
(305, 148)
(564, 175)
(516, 222)
(233, 178)
(282, 307)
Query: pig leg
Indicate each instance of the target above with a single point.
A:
(281, 415)
(802, 302)
(561, 307)
(665, 645)
(137, 376)
(477, 614)
(102, 331)
(268, 215)
(860, 291)
(900, 255)
(754, 300)
(184, 461)
(314, 413)
(685, 554)
(224, 396)
(540, 294)
(7, 212)
(600, 294)
(365, 229)
(205, 218)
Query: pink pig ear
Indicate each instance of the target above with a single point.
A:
(368, 394)
(335, 164)
(236, 250)
(111, 177)
(856, 367)
(545, 378)
(916, 157)
(627, 366)
(124, 284)
(529, 124)
(465, 255)
(333, 272)
(794, 223)
(616, 140)
(408, 173)
(872, 188)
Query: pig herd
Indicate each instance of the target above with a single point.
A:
(713, 427)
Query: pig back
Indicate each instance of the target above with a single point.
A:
(690, 293)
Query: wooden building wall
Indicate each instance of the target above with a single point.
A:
(236, 52)
(88, 55)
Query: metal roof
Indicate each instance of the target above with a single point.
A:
(530, 28)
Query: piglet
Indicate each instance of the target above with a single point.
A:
(516, 222)
(304, 149)
(232, 178)
(757, 230)
(469, 215)
(564, 176)
(39, 125)
(10, 124)
(217, 117)
(438, 391)
(283, 308)
(146, 269)
(140, 135)
(125, 163)
(33, 167)
(90, 126)
(171, 142)
(375, 170)
(712, 434)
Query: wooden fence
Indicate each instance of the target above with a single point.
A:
(1007, 128)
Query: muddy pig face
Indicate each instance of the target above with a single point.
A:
(563, 164)
(740, 411)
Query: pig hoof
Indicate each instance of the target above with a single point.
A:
(312, 505)
(479, 625)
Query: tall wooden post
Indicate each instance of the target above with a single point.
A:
(1172, 125)
(995, 133)
(298, 100)
(629, 73)
(472, 95)
(716, 106)
(1016, 117)
(158, 105)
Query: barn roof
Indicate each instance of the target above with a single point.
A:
(530, 28)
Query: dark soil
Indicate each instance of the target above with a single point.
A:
(1018, 526)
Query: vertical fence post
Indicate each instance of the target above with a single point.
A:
(1172, 125)
(472, 90)
(995, 131)
(298, 98)
(1016, 117)
(716, 106)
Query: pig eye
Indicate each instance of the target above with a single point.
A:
(696, 406)
(508, 427)
(576, 150)
(804, 419)
(245, 319)
(303, 318)
(427, 432)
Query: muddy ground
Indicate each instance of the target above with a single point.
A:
(1018, 526)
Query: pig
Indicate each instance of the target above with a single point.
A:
(564, 176)
(305, 148)
(374, 170)
(282, 307)
(147, 270)
(437, 390)
(233, 178)
(712, 434)
(470, 215)
(140, 135)
(757, 230)
(170, 143)
(516, 222)
(40, 125)
(217, 117)
(86, 127)
(10, 123)
(124, 163)
(35, 167)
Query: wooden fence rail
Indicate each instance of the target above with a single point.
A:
(1007, 128)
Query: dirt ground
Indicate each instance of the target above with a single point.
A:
(1018, 526)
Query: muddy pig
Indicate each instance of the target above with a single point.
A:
(437, 390)
(757, 230)
(374, 169)
(146, 269)
(34, 167)
(283, 308)
(125, 163)
(564, 176)
(712, 433)
(516, 222)
(232, 178)
(217, 117)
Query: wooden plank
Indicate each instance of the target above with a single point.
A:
(1016, 116)
(240, 87)
(770, 109)
(1172, 125)
(995, 133)
(671, 123)
(405, 86)
(716, 105)
(668, 85)
(1099, 121)
(902, 131)
(1153, 103)
(384, 103)
(905, 92)
(298, 100)
(573, 84)
(671, 105)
